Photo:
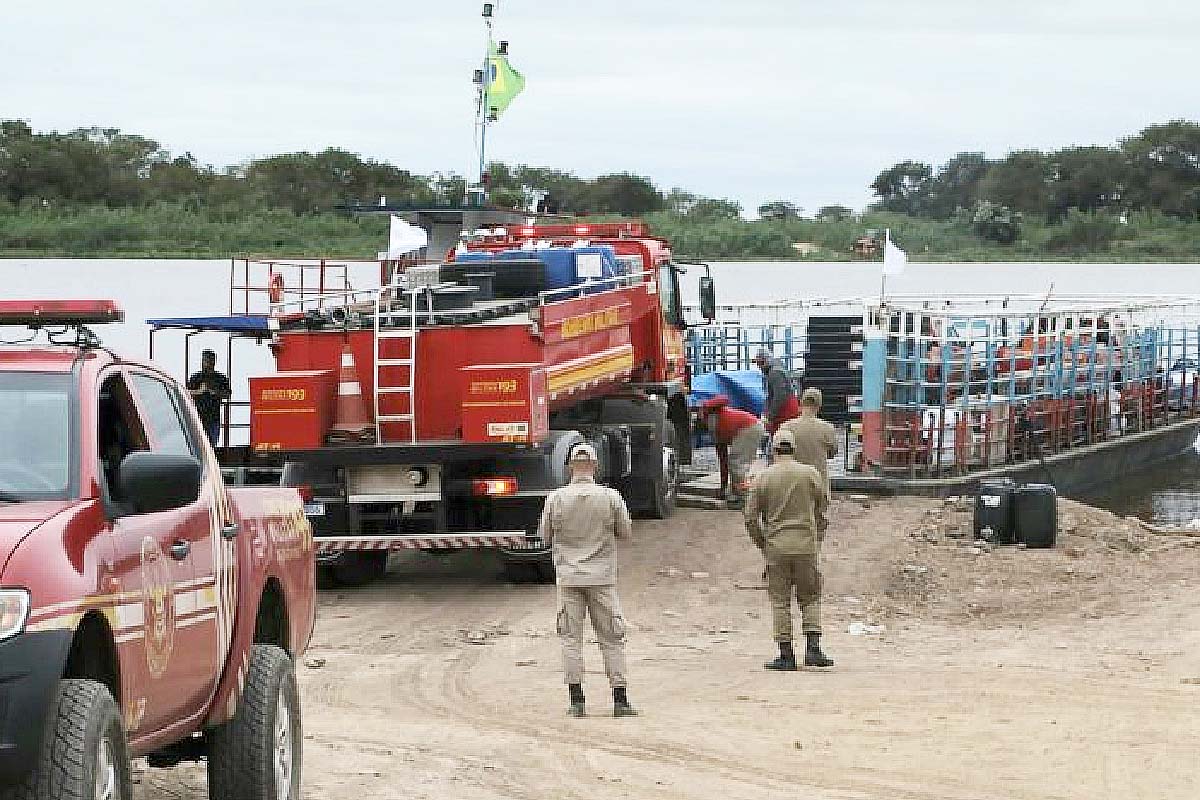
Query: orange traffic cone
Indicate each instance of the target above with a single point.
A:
(351, 422)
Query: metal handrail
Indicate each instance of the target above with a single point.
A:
(320, 302)
(620, 281)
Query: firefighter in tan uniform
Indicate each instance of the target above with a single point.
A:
(816, 443)
(781, 513)
(581, 522)
(816, 439)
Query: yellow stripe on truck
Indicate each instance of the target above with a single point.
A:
(574, 376)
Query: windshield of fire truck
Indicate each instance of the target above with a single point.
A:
(35, 436)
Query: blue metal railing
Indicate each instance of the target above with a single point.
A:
(713, 348)
(992, 393)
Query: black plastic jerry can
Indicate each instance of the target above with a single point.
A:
(994, 511)
(1035, 511)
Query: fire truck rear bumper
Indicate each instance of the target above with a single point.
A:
(329, 547)
(30, 667)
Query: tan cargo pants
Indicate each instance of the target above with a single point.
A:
(742, 452)
(801, 574)
(575, 603)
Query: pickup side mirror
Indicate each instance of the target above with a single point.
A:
(708, 298)
(158, 481)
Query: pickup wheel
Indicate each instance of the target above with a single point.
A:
(257, 753)
(359, 569)
(84, 755)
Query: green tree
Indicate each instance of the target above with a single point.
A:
(1164, 163)
(1021, 181)
(903, 187)
(708, 208)
(308, 183)
(834, 213)
(1087, 179)
(779, 210)
(565, 192)
(623, 193)
(956, 185)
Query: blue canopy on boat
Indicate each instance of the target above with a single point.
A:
(240, 323)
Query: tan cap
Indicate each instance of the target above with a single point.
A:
(811, 397)
(583, 452)
(784, 442)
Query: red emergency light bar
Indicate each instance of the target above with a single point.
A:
(38, 313)
(593, 230)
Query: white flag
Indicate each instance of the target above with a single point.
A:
(894, 259)
(405, 239)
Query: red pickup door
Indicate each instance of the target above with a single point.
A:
(145, 609)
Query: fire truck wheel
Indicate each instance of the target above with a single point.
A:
(257, 753)
(84, 755)
(359, 569)
(666, 487)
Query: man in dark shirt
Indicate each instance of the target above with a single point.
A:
(209, 389)
(781, 393)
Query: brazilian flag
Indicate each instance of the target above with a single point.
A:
(505, 84)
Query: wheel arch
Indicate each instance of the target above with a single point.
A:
(271, 623)
(93, 654)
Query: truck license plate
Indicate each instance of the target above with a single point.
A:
(314, 509)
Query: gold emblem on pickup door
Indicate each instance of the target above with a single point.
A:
(158, 604)
(590, 323)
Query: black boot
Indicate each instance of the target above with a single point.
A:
(786, 661)
(621, 707)
(813, 657)
(577, 708)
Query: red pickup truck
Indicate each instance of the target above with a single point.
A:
(145, 608)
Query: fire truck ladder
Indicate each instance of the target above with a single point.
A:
(399, 326)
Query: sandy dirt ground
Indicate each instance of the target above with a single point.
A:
(1071, 673)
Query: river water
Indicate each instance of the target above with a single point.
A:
(167, 288)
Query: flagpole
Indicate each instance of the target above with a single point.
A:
(887, 239)
(484, 110)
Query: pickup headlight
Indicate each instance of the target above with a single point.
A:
(14, 612)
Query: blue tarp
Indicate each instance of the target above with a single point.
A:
(562, 268)
(744, 388)
(244, 323)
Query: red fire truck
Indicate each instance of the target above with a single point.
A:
(478, 376)
(145, 609)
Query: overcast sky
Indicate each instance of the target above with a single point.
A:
(750, 99)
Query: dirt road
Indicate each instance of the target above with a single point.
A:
(1072, 673)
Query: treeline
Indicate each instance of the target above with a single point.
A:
(1157, 170)
(98, 191)
(105, 167)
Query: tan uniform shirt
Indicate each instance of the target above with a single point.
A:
(580, 522)
(783, 507)
(816, 442)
